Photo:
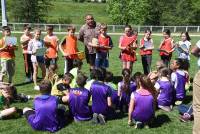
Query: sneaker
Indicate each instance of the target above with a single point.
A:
(165, 108)
(177, 103)
(26, 109)
(36, 88)
(95, 118)
(101, 119)
(138, 125)
(185, 118)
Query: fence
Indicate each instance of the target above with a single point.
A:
(111, 28)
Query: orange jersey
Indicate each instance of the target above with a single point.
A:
(52, 47)
(25, 38)
(70, 46)
(8, 52)
(142, 43)
(166, 45)
(104, 41)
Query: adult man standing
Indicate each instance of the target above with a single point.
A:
(87, 32)
(196, 92)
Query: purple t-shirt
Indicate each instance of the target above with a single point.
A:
(78, 104)
(46, 117)
(100, 92)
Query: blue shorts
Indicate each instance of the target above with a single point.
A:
(40, 59)
(101, 60)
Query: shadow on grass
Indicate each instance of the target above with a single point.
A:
(188, 99)
(160, 120)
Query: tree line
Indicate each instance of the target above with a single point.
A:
(136, 12)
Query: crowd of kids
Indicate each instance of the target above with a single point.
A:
(97, 98)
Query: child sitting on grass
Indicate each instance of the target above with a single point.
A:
(78, 100)
(165, 88)
(5, 110)
(101, 98)
(113, 86)
(125, 88)
(52, 76)
(178, 79)
(45, 115)
(141, 108)
(154, 74)
(62, 87)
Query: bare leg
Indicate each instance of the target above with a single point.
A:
(42, 66)
(8, 112)
(35, 71)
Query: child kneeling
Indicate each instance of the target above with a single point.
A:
(141, 108)
(46, 115)
(78, 100)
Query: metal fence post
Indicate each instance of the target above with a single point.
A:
(59, 27)
(198, 29)
(174, 29)
(113, 28)
(186, 28)
(163, 28)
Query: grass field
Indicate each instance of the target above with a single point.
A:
(165, 122)
(77, 11)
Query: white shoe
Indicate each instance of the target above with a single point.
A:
(26, 109)
(36, 88)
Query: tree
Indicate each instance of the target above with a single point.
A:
(29, 10)
(127, 11)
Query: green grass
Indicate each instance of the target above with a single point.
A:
(77, 11)
(166, 122)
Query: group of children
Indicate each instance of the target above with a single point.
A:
(138, 95)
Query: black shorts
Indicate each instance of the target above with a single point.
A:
(28, 113)
(90, 58)
(50, 61)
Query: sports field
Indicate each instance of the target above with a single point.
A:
(164, 124)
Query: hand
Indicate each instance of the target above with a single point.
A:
(129, 122)
(65, 54)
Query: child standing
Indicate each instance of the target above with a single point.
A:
(166, 47)
(45, 115)
(146, 47)
(24, 40)
(37, 59)
(101, 98)
(68, 47)
(51, 42)
(165, 88)
(78, 100)
(105, 43)
(127, 44)
(178, 78)
(141, 108)
(125, 88)
(7, 56)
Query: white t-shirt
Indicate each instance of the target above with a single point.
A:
(33, 45)
(198, 45)
(174, 77)
(184, 55)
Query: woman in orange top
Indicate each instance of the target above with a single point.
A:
(127, 44)
(166, 47)
(68, 47)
